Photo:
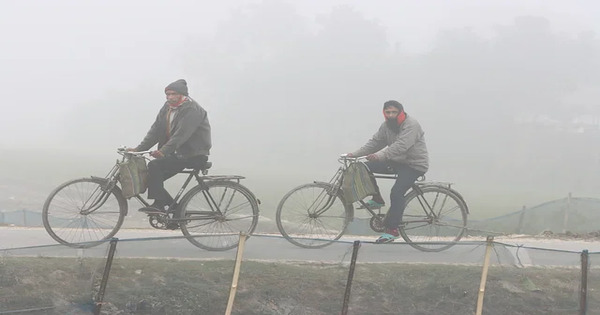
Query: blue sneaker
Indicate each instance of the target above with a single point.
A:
(389, 236)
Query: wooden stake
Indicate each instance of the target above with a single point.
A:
(584, 282)
(236, 272)
(486, 264)
(355, 248)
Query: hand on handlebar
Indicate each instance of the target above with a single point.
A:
(372, 157)
(157, 154)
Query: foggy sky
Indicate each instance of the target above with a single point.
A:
(57, 55)
(79, 75)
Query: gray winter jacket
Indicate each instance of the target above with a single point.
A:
(406, 146)
(188, 135)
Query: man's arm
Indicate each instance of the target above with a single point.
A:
(187, 125)
(151, 137)
(376, 143)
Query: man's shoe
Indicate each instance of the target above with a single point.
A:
(151, 210)
(154, 208)
(372, 204)
(389, 236)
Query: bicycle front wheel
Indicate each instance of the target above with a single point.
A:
(216, 214)
(434, 219)
(310, 216)
(81, 212)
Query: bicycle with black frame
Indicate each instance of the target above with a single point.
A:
(86, 211)
(315, 215)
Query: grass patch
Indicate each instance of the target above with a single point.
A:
(148, 286)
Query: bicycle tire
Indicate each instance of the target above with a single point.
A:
(64, 221)
(296, 221)
(218, 233)
(433, 234)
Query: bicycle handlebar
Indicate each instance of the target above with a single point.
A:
(123, 150)
(345, 157)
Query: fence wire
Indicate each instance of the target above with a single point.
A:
(168, 275)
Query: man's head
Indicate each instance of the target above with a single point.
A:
(176, 91)
(393, 112)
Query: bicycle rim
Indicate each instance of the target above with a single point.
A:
(213, 229)
(433, 221)
(309, 216)
(65, 218)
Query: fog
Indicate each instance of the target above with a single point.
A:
(506, 91)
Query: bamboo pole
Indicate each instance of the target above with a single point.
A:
(236, 272)
(486, 264)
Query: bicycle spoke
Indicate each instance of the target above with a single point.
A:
(218, 215)
(436, 216)
(66, 223)
(309, 216)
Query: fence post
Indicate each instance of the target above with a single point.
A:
(24, 217)
(2, 217)
(486, 264)
(350, 277)
(236, 272)
(567, 210)
(521, 218)
(584, 279)
(109, 261)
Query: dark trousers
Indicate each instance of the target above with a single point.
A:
(406, 178)
(162, 169)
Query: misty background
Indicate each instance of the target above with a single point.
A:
(506, 91)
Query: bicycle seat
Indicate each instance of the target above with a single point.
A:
(203, 167)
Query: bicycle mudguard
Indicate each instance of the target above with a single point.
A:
(222, 177)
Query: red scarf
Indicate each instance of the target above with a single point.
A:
(183, 99)
(400, 118)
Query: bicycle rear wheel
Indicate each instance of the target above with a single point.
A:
(434, 220)
(309, 216)
(81, 212)
(217, 213)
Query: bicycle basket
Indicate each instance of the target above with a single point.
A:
(357, 183)
(133, 176)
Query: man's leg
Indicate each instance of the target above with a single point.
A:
(380, 167)
(406, 178)
(160, 170)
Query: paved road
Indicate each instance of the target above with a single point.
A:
(170, 244)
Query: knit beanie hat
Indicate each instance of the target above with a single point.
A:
(179, 86)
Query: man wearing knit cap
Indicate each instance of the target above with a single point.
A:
(398, 147)
(182, 132)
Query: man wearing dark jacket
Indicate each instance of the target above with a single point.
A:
(398, 147)
(182, 132)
